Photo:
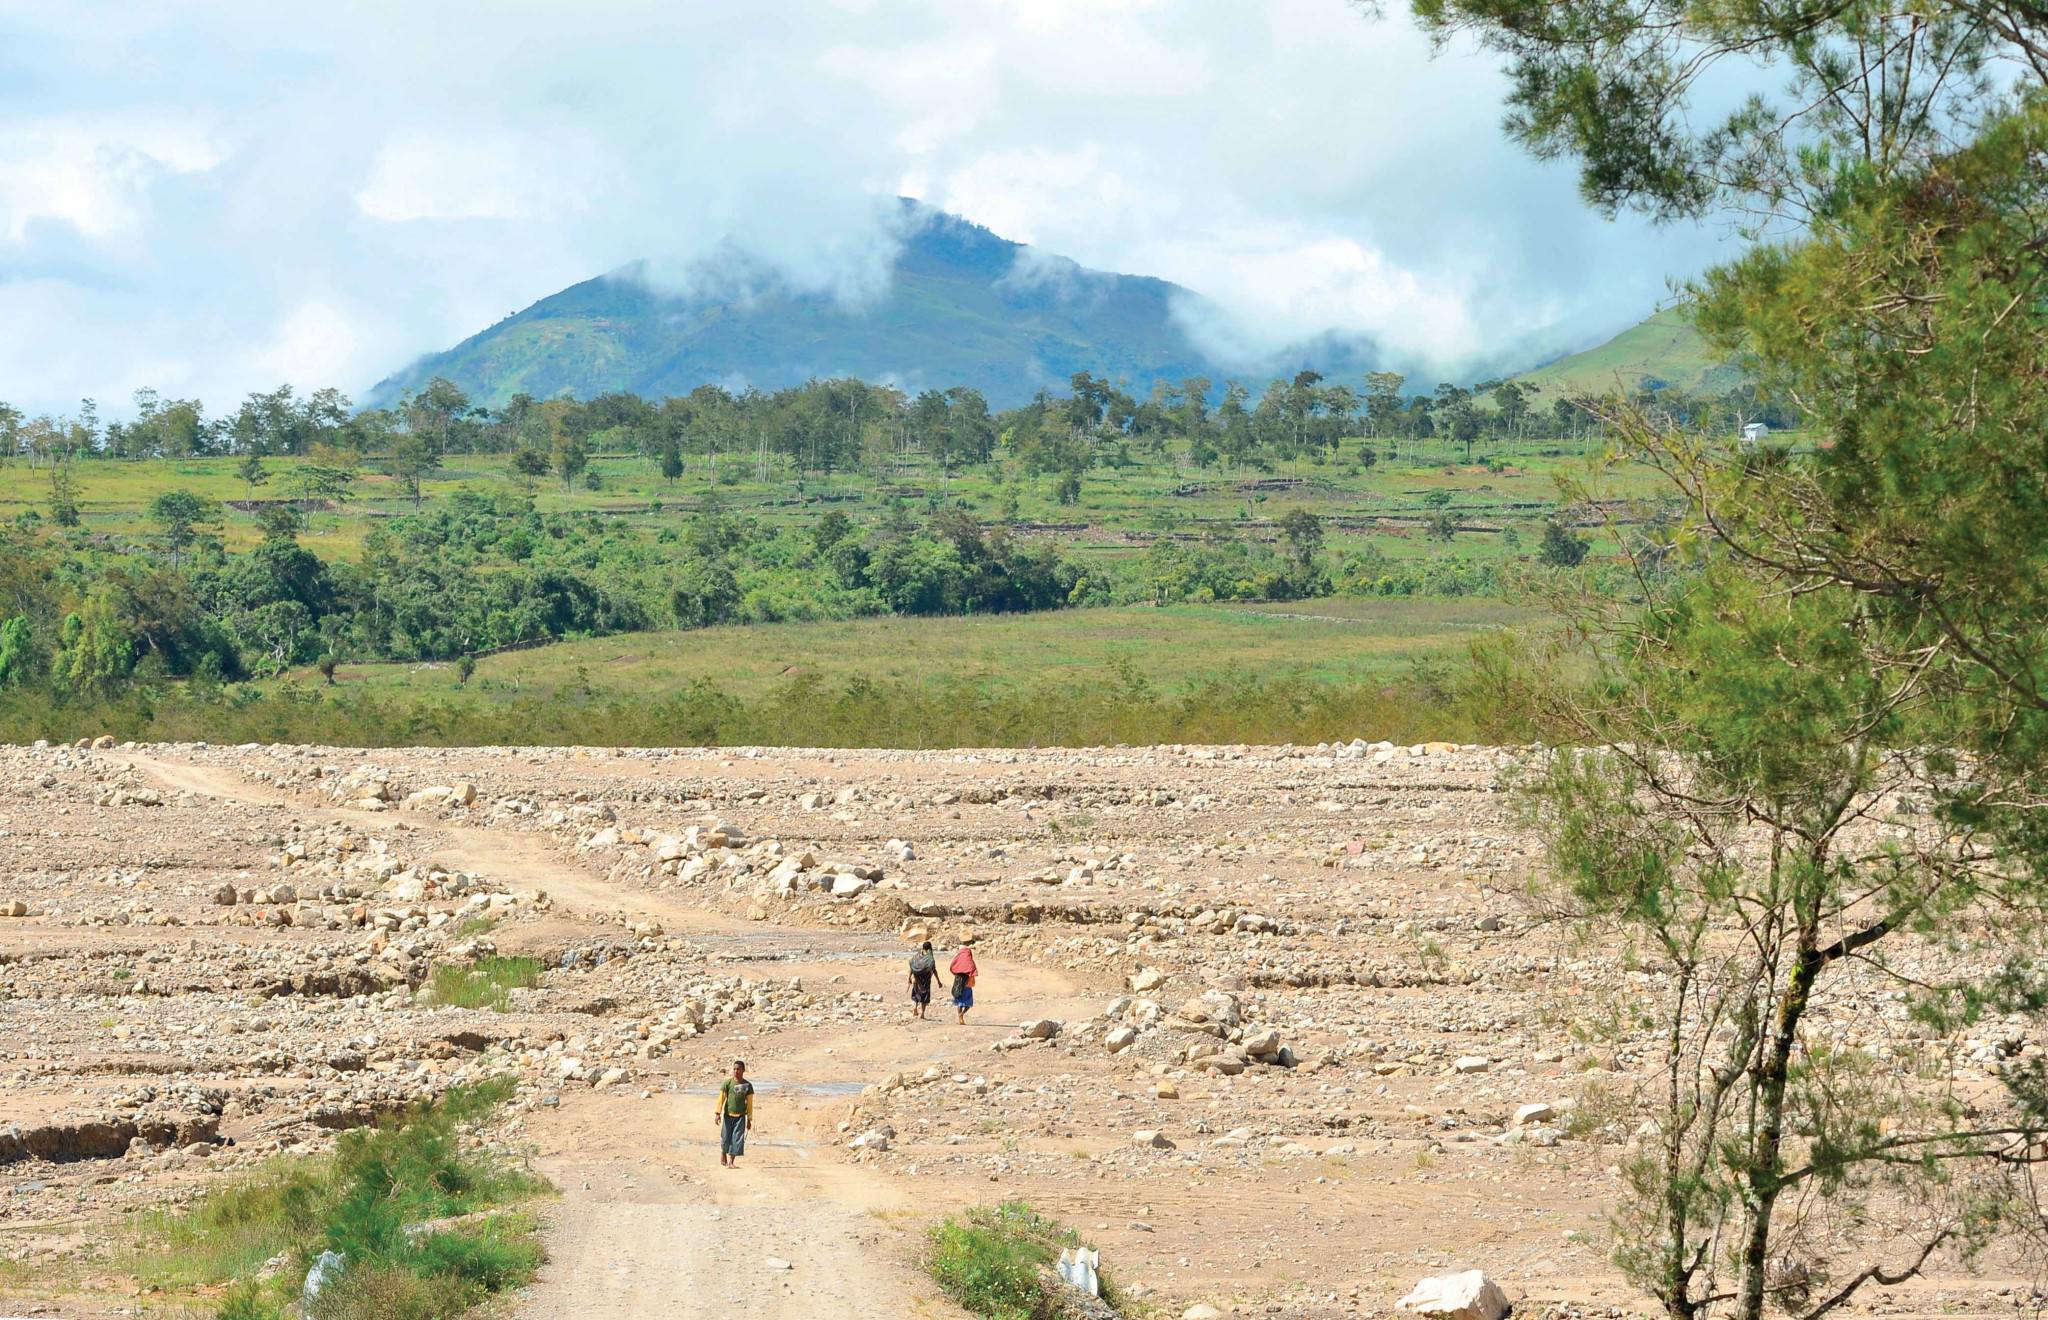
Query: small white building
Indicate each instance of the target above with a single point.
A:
(1753, 433)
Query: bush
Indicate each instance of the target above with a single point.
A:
(997, 1263)
(367, 1201)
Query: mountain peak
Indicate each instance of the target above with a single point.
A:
(961, 305)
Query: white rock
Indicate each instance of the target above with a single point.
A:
(1153, 1138)
(1473, 1063)
(1468, 1295)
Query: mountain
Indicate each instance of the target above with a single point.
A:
(964, 307)
(1663, 352)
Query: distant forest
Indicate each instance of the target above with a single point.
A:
(843, 425)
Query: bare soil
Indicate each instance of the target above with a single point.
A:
(1308, 972)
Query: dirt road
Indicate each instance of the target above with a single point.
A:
(648, 1223)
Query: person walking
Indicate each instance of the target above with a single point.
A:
(735, 1115)
(924, 969)
(964, 972)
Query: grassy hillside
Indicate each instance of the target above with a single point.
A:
(1664, 351)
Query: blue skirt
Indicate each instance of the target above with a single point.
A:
(963, 994)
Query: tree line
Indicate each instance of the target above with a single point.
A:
(842, 425)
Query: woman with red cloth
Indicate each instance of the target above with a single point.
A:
(963, 970)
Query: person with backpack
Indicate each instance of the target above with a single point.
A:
(735, 1115)
(964, 972)
(924, 969)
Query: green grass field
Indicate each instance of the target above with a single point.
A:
(1327, 640)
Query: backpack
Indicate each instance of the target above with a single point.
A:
(921, 963)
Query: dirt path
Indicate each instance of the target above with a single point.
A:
(648, 1223)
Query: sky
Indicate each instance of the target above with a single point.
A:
(213, 198)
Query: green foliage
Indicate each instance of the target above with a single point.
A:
(365, 1201)
(995, 1262)
(1825, 635)
(966, 711)
(19, 659)
(1561, 547)
(95, 650)
(484, 983)
(183, 517)
(63, 496)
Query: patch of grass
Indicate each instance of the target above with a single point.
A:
(469, 928)
(385, 1199)
(996, 1262)
(486, 983)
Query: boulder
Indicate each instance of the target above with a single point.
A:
(1263, 1043)
(1120, 1039)
(1152, 1139)
(1147, 978)
(1467, 1295)
(1039, 1029)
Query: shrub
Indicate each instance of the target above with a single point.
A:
(367, 1201)
(997, 1262)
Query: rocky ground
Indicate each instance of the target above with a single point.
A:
(1272, 1027)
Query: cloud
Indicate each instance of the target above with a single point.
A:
(210, 197)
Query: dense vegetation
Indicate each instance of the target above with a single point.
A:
(297, 532)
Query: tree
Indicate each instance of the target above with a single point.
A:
(1383, 405)
(411, 460)
(530, 462)
(182, 516)
(1864, 93)
(253, 473)
(570, 459)
(671, 461)
(1561, 546)
(1511, 407)
(63, 496)
(280, 521)
(1304, 532)
(18, 657)
(434, 412)
(95, 650)
(1442, 525)
(1818, 750)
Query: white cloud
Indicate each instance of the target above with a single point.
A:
(91, 173)
(448, 177)
(208, 196)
